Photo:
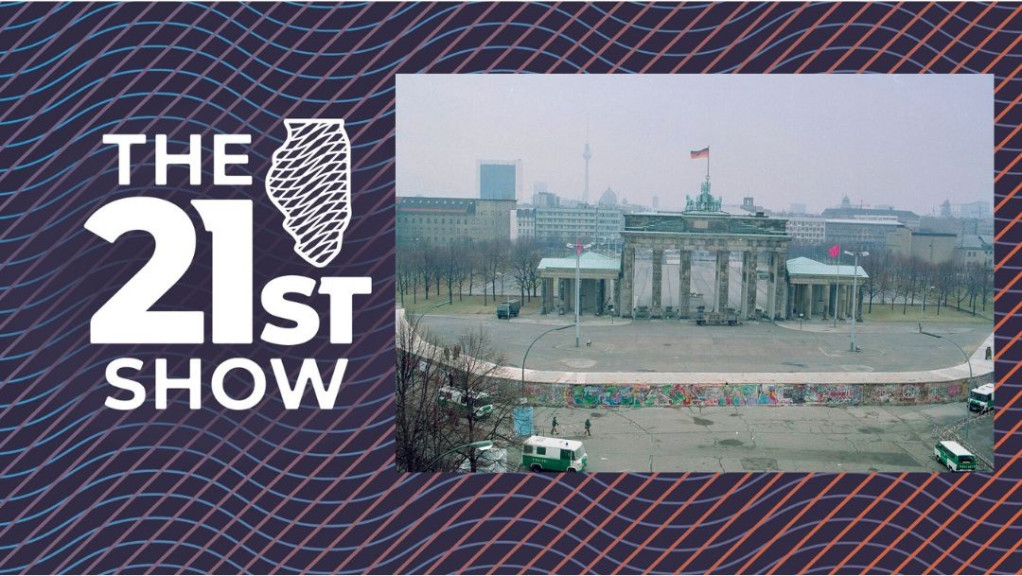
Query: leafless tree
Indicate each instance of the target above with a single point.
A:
(428, 433)
(449, 258)
(419, 434)
(493, 256)
(524, 260)
(473, 374)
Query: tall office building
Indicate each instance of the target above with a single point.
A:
(499, 180)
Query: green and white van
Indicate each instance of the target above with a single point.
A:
(478, 403)
(541, 453)
(982, 399)
(951, 454)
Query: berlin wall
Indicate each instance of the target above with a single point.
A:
(648, 395)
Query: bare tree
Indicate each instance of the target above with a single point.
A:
(943, 282)
(878, 274)
(493, 260)
(524, 260)
(473, 375)
(418, 429)
(427, 267)
(429, 435)
(448, 268)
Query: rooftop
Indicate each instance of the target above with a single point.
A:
(803, 266)
(588, 261)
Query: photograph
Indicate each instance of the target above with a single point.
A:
(694, 273)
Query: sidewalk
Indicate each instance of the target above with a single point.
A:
(978, 365)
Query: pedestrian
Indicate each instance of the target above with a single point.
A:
(553, 426)
(588, 433)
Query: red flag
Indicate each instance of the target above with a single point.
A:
(578, 247)
(835, 251)
(704, 153)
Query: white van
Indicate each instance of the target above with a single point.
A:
(541, 453)
(478, 404)
(982, 399)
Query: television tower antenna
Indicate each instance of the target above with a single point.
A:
(586, 154)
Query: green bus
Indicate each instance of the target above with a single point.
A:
(541, 453)
(982, 399)
(953, 455)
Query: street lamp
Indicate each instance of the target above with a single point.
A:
(968, 360)
(855, 295)
(481, 445)
(578, 257)
(536, 339)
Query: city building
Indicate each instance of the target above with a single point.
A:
(979, 210)
(545, 199)
(523, 224)
(560, 225)
(849, 212)
(608, 198)
(499, 180)
(806, 229)
(933, 247)
(440, 221)
(862, 234)
(975, 249)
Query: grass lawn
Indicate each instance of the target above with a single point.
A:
(883, 313)
(467, 305)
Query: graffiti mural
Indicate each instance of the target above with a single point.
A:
(680, 395)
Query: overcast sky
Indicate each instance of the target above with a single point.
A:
(911, 141)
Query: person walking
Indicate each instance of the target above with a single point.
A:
(588, 424)
(553, 426)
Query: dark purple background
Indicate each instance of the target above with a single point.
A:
(89, 489)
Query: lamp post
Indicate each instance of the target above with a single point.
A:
(855, 295)
(534, 340)
(968, 361)
(578, 257)
(481, 445)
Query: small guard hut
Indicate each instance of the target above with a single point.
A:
(824, 290)
(597, 274)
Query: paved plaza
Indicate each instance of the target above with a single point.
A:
(621, 345)
(745, 439)
(850, 438)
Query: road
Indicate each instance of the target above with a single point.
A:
(747, 439)
(617, 345)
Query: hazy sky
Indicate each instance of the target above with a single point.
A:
(911, 141)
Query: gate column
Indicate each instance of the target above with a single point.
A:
(627, 281)
(684, 281)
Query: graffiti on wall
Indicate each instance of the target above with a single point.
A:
(649, 395)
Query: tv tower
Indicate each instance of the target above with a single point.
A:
(586, 155)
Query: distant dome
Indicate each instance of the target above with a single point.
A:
(608, 198)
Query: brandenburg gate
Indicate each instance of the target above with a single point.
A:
(703, 226)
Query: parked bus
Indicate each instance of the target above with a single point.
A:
(951, 454)
(479, 403)
(541, 453)
(982, 399)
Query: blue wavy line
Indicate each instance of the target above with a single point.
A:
(33, 21)
(103, 550)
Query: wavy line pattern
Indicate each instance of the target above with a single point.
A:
(89, 489)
